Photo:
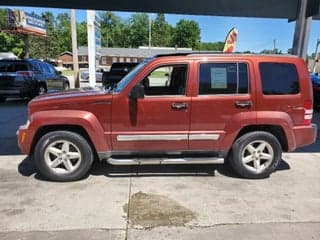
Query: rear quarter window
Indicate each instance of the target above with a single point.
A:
(11, 66)
(279, 78)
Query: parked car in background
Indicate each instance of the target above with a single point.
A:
(84, 74)
(117, 72)
(315, 78)
(27, 78)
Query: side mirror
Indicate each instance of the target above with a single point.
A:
(137, 92)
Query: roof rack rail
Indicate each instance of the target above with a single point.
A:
(188, 53)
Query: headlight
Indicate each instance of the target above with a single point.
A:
(27, 124)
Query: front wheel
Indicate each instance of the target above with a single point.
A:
(63, 156)
(255, 155)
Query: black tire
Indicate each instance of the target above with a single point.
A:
(241, 148)
(79, 143)
(42, 89)
(66, 86)
(2, 99)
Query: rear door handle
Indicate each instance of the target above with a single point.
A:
(179, 106)
(243, 104)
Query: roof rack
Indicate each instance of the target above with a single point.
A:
(188, 53)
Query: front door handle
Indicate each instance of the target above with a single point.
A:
(179, 106)
(243, 104)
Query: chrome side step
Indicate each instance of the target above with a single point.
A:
(158, 161)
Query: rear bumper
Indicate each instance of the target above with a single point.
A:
(27, 90)
(305, 135)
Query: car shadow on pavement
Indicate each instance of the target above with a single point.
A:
(27, 168)
(194, 170)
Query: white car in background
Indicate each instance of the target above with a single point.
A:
(84, 74)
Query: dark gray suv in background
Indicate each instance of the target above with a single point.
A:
(27, 78)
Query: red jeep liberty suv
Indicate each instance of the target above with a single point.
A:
(180, 108)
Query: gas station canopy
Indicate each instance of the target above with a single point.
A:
(301, 11)
(288, 9)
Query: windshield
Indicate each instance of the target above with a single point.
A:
(124, 82)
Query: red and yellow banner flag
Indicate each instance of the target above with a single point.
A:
(231, 41)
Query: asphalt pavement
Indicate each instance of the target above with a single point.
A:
(156, 202)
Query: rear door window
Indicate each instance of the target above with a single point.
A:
(279, 78)
(223, 78)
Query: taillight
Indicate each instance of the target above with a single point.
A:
(308, 112)
(25, 73)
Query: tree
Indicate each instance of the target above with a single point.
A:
(9, 42)
(64, 32)
(212, 46)
(139, 27)
(161, 32)
(187, 34)
(111, 30)
(82, 35)
(271, 51)
(3, 19)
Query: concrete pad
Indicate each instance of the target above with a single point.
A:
(27, 203)
(265, 231)
(292, 194)
(88, 234)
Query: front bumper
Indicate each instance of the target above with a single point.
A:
(24, 137)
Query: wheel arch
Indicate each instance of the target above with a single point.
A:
(275, 130)
(71, 128)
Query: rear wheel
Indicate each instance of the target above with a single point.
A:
(42, 89)
(63, 156)
(66, 86)
(2, 99)
(255, 155)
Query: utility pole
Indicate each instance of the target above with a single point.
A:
(91, 14)
(26, 39)
(74, 48)
(149, 30)
(274, 45)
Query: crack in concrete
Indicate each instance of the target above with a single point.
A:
(128, 210)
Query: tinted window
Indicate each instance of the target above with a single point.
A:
(223, 78)
(13, 66)
(51, 69)
(6, 67)
(44, 68)
(279, 78)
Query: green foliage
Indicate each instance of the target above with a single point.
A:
(187, 34)
(115, 32)
(212, 46)
(161, 32)
(112, 28)
(64, 32)
(139, 29)
(82, 35)
(271, 51)
(3, 19)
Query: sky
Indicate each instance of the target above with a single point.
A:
(255, 34)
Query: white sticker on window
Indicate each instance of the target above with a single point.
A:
(218, 78)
